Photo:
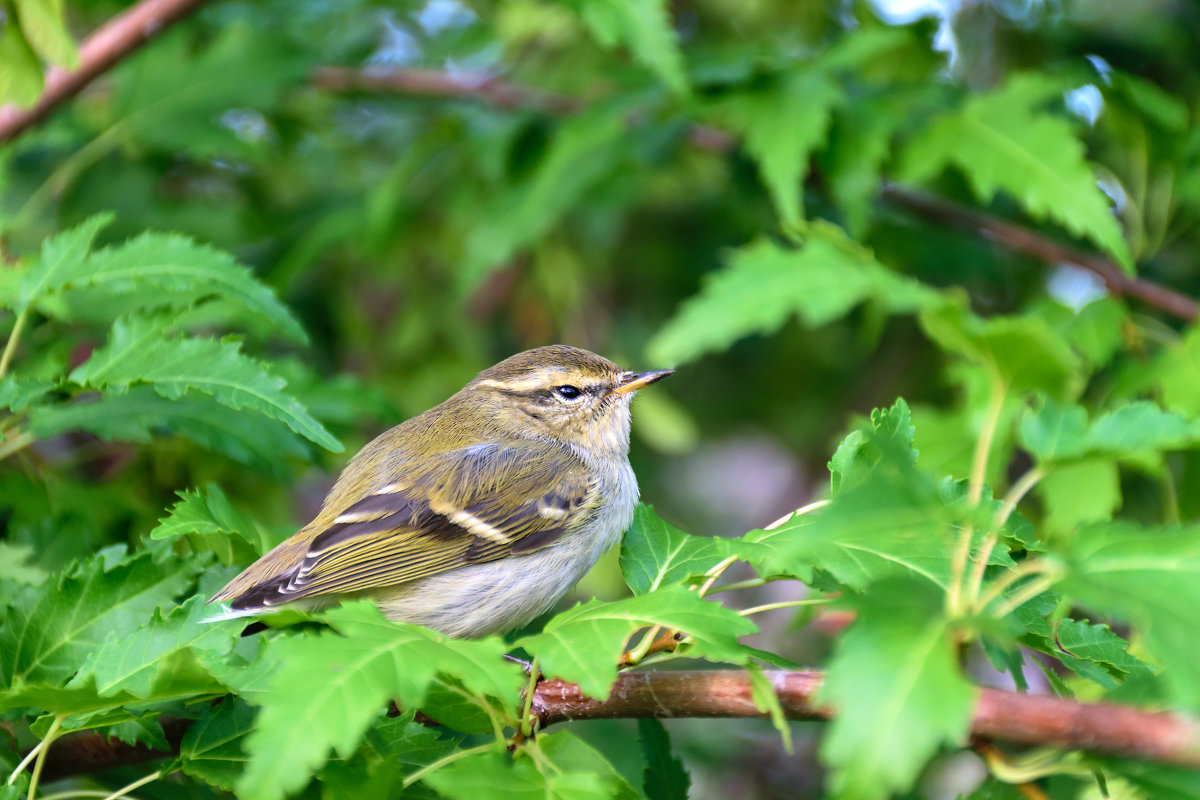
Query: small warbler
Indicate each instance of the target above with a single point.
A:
(477, 515)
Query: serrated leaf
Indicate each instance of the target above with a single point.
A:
(1091, 651)
(138, 351)
(893, 521)
(582, 644)
(889, 722)
(782, 125)
(132, 662)
(168, 270)
(50, 631)
(645, 27)
(207, 512)
(890, 436)
(46, 31)
(1022, 353)
(664, 777)
(141, 413)
(17, 394)
(1150, 578)
(1001, 141)
(213, 749)
(1055, 432)
(655, 554)
(328, 688)
(60, 260)
(764, 284)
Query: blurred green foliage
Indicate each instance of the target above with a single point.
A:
(281, 227)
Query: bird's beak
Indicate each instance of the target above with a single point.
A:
(632, 381)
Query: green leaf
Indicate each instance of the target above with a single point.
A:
(645, 27)
(21, 78)
(1157, 780)
(890, 436)
(328, 688)
(17, 394)
(51, 630)
(859, 143)
(1150, 578)
(781, 126)
(138, 351)
(141, 413)
(175, 271)
(1022, 353)
(1001, 141)
(893, 521)
(655, 554)
(60, 261)
(1091, 651)
(765, 284)
(213, 749)
(889, 722)
(1179, 374)
(582, 644)
(1056, 433)
(133, 662)
(664, 777)
(208, 515)
(46, 31)
(762, 692)
(1086, 491)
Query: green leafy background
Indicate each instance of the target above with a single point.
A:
(226, 266)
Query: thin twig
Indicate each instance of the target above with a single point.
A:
(108, 45)
(1022, 240)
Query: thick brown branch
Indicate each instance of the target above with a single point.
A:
(110, 43)
(1006, 716)
(502, 94)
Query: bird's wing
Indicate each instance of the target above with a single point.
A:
(450, 514)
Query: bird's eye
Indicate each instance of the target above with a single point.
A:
(567, 392)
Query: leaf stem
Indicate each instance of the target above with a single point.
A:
(713, 574)
(1024, 595)
(799, 512)
(816, 601)
(1034, 566)
(958, 565)
(40, 761)
(445, 761)
(14, 336)
(526, 727)
(15, 444)
(125, 790)
(1017, 491)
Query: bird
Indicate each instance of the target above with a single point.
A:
(477, 515)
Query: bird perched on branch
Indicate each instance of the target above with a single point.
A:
(477, 515)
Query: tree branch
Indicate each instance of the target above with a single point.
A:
(502, 94)
(1022, 240)
(111, 42)
(1008, 716)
